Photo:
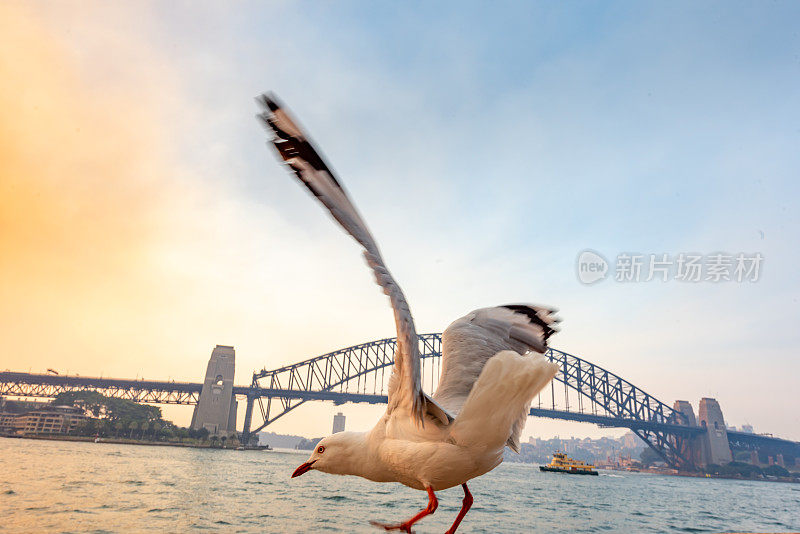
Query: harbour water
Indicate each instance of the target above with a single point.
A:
(55, 486)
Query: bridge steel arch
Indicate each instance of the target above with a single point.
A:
(330, 372)
(601, 394)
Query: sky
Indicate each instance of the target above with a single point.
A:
(143, 219)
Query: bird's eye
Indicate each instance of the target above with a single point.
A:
(320, 449)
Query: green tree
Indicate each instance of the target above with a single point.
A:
(88, 427)
(92, 401)
(735, 469)
(649, 456)
(113, 409)
(105, 428)
(776, 471)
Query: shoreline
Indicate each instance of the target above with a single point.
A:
(128, 441)
(689, 474)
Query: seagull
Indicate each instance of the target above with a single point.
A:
(492, 367)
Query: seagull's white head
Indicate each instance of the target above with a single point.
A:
(340, 454)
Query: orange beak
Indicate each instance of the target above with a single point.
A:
(305, 468)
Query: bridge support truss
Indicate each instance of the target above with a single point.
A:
(145, 391)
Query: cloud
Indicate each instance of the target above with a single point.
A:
(82, 189)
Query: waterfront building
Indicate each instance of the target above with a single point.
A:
(44, 420)
(338, 423)
(8, 423)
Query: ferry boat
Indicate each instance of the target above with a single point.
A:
(561, 463)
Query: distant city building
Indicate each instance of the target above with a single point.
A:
(779, 460)
(338, 423)
(630, 441)
(747, 428)
(754, 457)
(606, 450)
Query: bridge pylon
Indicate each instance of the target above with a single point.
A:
(714, 442)
(216, 407)
(248, 419)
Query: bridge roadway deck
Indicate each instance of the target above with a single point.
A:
(75, 381)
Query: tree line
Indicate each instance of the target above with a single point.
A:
(123, 418)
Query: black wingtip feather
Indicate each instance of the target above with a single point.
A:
(533, 315)
(290, 146)
(269, 100)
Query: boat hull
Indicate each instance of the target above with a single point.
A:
(567, 471)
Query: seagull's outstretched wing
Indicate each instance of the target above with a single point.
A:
(296, 149)
(471, 340)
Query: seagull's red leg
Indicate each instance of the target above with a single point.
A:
(465, 506)
(433, 503)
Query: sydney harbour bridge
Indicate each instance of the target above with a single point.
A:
(581, 391)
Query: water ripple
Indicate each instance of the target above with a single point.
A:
(81, 487)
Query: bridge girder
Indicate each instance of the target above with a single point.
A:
(148, 392)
